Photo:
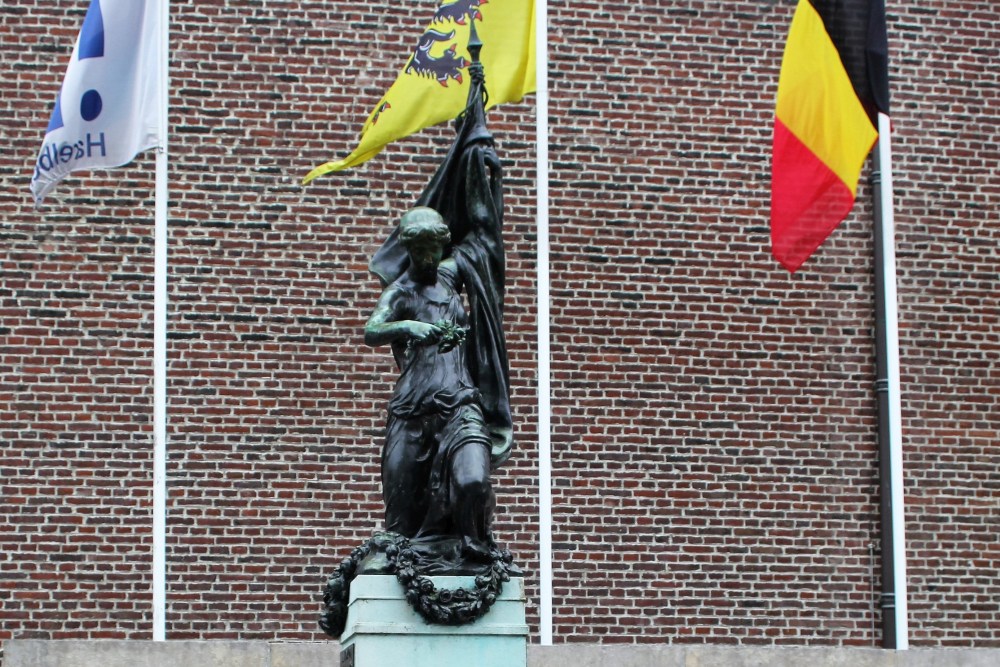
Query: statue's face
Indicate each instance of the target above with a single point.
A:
(425, 255)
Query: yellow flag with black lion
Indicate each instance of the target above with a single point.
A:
(433, 86)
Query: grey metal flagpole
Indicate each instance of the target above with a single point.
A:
(895, 627)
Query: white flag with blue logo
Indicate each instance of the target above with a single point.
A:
(108, 109)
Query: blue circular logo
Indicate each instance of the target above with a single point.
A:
(91, 105)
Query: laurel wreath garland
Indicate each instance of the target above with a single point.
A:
(439, 606)
(452, 335)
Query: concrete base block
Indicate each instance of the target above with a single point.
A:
(114, 653)
(182, 653)
(124, 653)
(384, 631)
(302, 654)
(948, 657)
(653, 655)
(709, 656)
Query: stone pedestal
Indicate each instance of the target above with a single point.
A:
(384, 631)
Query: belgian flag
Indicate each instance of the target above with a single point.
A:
(834, 82)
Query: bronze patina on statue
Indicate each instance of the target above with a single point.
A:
(449, 421)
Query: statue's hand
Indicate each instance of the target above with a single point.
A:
(452, 336)
(422, 332)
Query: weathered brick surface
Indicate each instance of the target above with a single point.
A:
(714, 425)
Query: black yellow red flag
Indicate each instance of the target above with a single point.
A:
(834, 82)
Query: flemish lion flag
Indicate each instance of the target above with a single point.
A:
(834, 81)
(433, 86)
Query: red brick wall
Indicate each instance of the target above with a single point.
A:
(713, 418)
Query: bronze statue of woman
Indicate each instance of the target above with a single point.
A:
(449, 419)
(448, 423)
(436, 459)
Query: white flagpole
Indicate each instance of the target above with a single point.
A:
(542, 269)
(887, 233)
(160, 340)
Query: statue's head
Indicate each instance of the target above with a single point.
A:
(424, 234)
(422, 225)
